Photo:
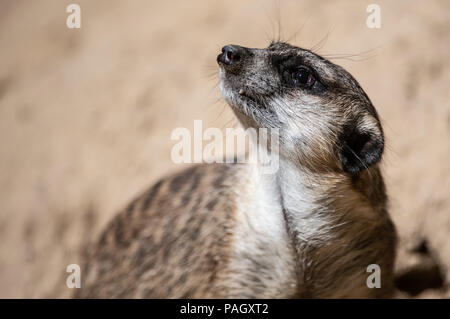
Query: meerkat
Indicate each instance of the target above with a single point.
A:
(309, 230)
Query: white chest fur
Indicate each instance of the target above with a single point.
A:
(262, 251)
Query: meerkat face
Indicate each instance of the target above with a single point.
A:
(325, 120)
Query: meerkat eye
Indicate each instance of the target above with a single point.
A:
(304, 77)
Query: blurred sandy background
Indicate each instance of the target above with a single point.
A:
(86, 115)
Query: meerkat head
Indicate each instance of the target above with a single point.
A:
(324, 118)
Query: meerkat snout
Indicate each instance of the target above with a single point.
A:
(231, 55)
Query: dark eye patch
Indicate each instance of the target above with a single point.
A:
(283, 62)
(300, 77)
(295, 72)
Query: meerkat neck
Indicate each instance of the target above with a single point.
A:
(315, 205)
(301, 190)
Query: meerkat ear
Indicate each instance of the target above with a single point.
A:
(361, 147)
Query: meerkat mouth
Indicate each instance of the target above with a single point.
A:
(244, 94)
(248, 97)
(243, 100)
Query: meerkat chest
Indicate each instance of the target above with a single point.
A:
(262, 255)
(283, 240)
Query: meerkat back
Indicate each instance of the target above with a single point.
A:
(181, 239)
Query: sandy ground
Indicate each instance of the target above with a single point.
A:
(86, 115)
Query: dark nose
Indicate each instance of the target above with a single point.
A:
(231, 55)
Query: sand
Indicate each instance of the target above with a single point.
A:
(86, 115)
